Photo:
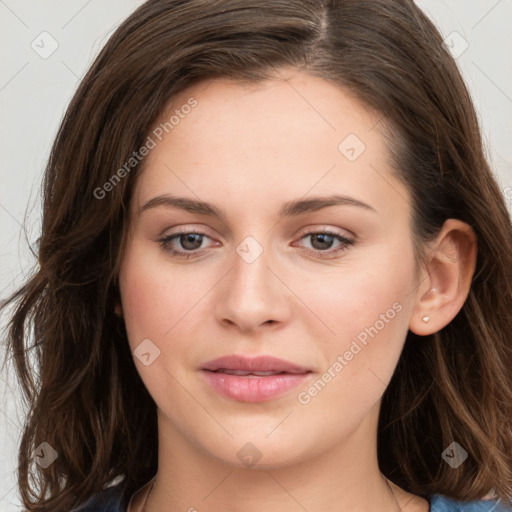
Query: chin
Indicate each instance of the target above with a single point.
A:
(263, 454)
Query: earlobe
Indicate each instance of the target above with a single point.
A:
(447, 280)
(118, 310)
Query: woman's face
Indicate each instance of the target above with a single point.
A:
(280, 163)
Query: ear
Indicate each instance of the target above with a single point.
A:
(115, 298)
(118, 310)
(445, 280)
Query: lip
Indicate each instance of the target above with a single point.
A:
(257, 364)
(240, 378)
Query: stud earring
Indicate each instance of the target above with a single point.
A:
(426, 319)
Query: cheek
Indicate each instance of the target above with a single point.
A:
(367, 310)
(156, 303)
(142, 303)
(154, 299)
(361, 296)
(370, 319)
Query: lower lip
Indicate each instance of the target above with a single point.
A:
(254, 389)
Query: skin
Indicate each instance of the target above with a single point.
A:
(247, 150)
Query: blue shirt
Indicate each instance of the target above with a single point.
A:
(113, 500)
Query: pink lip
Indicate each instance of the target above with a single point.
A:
(257, 364)
(251, 387)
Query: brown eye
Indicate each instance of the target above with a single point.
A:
(321, 243)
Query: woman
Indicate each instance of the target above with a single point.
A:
(274, 272)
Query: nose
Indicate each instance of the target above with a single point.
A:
(253, 293)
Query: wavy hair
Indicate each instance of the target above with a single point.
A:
(70, 350)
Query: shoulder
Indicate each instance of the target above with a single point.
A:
(111, 499)
(439, 503)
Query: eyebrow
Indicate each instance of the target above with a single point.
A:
(289, 209)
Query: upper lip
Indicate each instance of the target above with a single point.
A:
(255, 364)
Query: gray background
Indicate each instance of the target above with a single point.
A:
(35, 89)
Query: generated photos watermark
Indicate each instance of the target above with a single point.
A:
(357, 345)
(137, 156)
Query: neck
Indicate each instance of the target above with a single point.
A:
(343, 479)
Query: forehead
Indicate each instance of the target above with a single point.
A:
(297, 106)
(281, 138)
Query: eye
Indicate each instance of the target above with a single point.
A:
(322, 241)
(188, 240)
(190, 243)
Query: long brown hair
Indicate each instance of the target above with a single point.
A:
(70, 350)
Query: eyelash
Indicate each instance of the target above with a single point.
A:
(345, 243)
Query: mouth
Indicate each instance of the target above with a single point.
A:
(253, 379)
(245, 373)
(255, 365)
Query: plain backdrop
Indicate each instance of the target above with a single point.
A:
(46, 47)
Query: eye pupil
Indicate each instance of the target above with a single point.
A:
(189, 241)
(324, 244)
